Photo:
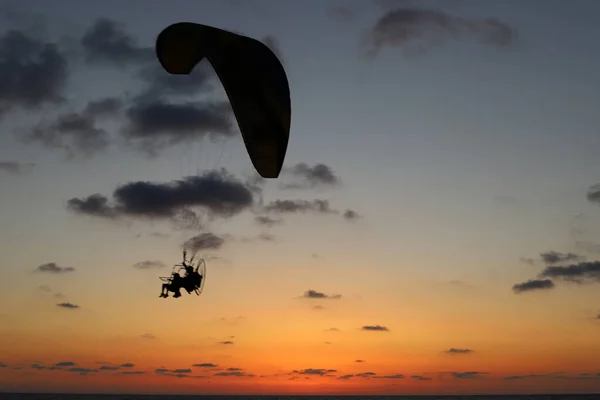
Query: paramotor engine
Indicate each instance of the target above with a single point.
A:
(198, 277)
(253, 78)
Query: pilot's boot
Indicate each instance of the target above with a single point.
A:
(177, 295)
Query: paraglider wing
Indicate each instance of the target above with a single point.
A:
(253, 78)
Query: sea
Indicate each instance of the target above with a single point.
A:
(37, 396)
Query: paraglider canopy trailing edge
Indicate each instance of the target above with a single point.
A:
(253, 78)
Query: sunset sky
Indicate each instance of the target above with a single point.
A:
(435, 228)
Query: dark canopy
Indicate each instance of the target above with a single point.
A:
(253, 78)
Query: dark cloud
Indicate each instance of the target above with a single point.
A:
(533, 284)
(77, 133)
(453, 350)
(332, 330)
(314, 371)
(182, 371)
(160, 370)
(233, 373)
(156, 124)
(578, 273)
(205, 365)
(525, 260)
(227, 342)
(378, 328)
(313, 294)
(273, 43)
(127, 365)
(204, 241)
(467, 374)
(109, 368)
(267, 221)
(84, 371)
(318, 307)
(266, 237)
(53, 268)
(131, 373)
(359, 361)
(317, 175)
(65, 364)
(68, 306)
(2, 365)
(421, 28)
(299, 206)
(106, 42)
(16, 167)
(527, 376)
(160, 83)
(148, 264)
(395, 376)
(554, 257)
(32, 73)
(351, 215)
(420, 378)
(148, 336)
(593, 194)
(234, 369)
(217, 192)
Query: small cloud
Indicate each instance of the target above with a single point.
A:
(149, 265)
(314, 371)
(82, 370)
(52, 268)
(109, 368)
(205, 365)
(148, 336)
(414, 30)
(528, 261)
(68, 305)
(453, 350)
(351, 215)
(554, 257)
(226, 342)
(317, 175)
(420, 378)
(65, 364)
(127, 365)
(182, 371)
(266, 237)
(327, 342)
(267, 221)
(359, 361)
(204, 241)
(318, 307)
(313, 294)
(332, 330)
(467, 374)
(395, 376)
(15, 167)
(533, 284)
(131, 373)
(377, 328)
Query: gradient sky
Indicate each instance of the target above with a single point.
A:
(462, 135)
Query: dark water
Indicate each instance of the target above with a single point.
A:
(15, 396)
